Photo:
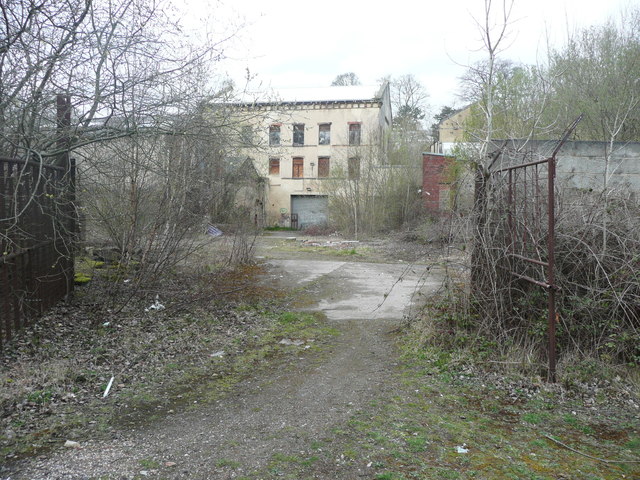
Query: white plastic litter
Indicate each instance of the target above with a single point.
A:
(106, 390)
(288, 341)
(156, 305)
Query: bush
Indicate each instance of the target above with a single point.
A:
(597, 255)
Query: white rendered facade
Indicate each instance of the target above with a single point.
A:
(308, 136)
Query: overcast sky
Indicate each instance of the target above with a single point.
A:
(297, 43)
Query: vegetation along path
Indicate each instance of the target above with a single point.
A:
(353, 380)
(280, 412)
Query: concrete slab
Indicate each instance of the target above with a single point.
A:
(355, 290)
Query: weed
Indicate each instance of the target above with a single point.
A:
(225, 463)
(149, 463)
(417, 443)
(278, 228)
(533, 418)
(350, 251)
(633, 444)
(390, 476)
(282, 458)
(40, 396)
(316, 445)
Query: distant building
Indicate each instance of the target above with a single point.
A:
(303, 137)
(451, 130)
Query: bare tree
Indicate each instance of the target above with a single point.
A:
(150, 131)
(409, 101)
(346, 79)
(598, 74)
(368, 195)
(100, 54)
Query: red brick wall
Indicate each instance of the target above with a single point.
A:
(434, 186)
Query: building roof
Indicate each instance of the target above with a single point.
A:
(354, 93)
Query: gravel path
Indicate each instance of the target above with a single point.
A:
(281, 411)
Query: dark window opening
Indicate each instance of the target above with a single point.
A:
(274, 135)
(324, 134)
(354, 133)
(274, 166)
(298, 166)
(246, 135)
(298, 134)
(323, 167)
(354, 168)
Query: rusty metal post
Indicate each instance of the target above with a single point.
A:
(63, 120)
(510, 206)
(551, 290)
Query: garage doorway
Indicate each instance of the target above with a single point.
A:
(310, 209)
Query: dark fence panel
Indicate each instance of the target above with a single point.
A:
(37, 227)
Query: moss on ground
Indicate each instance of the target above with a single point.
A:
(442, 423)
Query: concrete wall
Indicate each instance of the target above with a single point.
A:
(582, 165)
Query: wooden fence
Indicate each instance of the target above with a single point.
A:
(37, 231)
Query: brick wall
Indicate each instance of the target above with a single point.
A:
(435, 187)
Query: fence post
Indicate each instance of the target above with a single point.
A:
(479, 221)
(551, 247)
(63, 121)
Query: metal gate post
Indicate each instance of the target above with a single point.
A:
(551, 290)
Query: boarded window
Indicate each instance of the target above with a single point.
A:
(354, 168)
(323, 167)
(274, 135)
(298, 166)
(274, 166)
(324, 134)
(298, 134)
(354, 133)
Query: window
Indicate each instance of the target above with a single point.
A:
(298, 134)
(323, 167)
(246, 135)
(274, 166)
(274, 135)
(298, 166)
(354, 168)
(324, 134)
(354, 133)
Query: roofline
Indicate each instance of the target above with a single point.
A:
(378, 97)
(304, 102)
(458, 110)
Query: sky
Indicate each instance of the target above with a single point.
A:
(296, 43)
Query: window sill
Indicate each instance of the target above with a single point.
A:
(307, 178)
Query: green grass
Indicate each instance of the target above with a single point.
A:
(277, 228)
(413, 432)
(149, 463)
(225, 463)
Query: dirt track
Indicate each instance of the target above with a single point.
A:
(283, 411)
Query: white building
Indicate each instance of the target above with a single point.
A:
(308, 135)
